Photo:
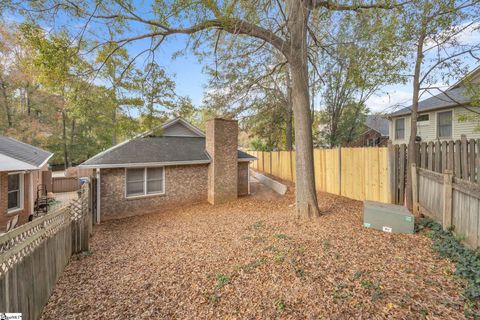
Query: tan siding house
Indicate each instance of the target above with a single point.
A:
(441, 117)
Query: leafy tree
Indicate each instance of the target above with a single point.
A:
(115, 68)
(283, 26)
(432, 27)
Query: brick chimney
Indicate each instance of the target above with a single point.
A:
(221, 145)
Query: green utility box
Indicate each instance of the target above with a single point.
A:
(387, 217)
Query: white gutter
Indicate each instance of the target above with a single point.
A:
(146, 164)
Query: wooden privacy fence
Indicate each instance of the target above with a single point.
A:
(451, 201)
(65, 184)
(462, 157)
(33, 256)
(357, 173)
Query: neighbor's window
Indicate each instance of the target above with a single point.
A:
(145, 181)
(423, 118)
(444, 124)
(400, 129)
(14, 192)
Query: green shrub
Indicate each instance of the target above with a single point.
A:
(466, 260)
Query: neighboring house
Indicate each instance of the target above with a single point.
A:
(179, 165)
(439, 117)
(375, 134)
(21, 167)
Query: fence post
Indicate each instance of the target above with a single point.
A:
(415, 188)
(447, 199)
(392, 172)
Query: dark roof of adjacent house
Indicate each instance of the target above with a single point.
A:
(377, 123)
(24, 152)
(159, 150)
(451, 97)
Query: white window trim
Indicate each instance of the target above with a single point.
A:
(395, 128)
(145, 193)
(22, 193)
(436, 124)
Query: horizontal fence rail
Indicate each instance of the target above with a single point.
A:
(33, 256)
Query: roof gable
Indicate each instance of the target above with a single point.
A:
(178, 127)
(377, 123)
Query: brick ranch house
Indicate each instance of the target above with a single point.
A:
(375, 133)
(21, 167)
(173, 165)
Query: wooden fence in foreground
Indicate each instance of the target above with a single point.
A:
(33, 256)
(453, 202)
(357, 173)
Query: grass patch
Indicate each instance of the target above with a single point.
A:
(279, 258)
(222, 280)
(467, 261)
(254, 264)
(281, 236)
(279, 305)
(257, 225)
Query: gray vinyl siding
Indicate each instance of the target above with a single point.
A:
(179, 130)
(428, 132)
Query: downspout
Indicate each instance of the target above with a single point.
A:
(248, 178)
(98, 195)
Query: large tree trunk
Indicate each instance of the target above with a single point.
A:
(412, 151)
(306, 195)
(289, 116)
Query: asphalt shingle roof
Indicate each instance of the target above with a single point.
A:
(445, 99)
(156, 150)
(23, 152)
(378, 124)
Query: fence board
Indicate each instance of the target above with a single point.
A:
(335, 169)
(33, 256)
(464, 203)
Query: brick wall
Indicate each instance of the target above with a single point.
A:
(243, 178)
(183, 185)
(221, 144)
(24, 213)
(362, 140)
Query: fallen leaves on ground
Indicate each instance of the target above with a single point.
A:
(253, 258)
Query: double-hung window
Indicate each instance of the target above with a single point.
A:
(444, 129)
(145, 181)
(15, 194)
(400, 129)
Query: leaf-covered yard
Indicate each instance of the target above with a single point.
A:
(254, 259)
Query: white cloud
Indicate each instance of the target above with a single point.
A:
(389, 101)
(469, 36)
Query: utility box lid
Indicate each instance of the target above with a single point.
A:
(388, 217)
